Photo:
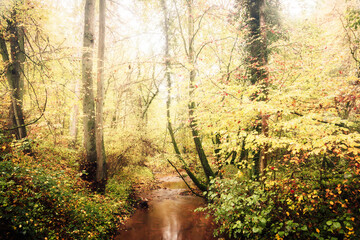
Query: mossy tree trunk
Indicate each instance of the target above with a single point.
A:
(167, 56)
(12, 50)
(257, 60)
(90, 164)
(192, 105)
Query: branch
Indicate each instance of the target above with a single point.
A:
(205, 44)
(149, 102)
(181, 30)
(199, 24)
(37, 103)
(222, 89)
(25, 125)
(230, 58)
(3, 49)
(184, 180)
(322, 121)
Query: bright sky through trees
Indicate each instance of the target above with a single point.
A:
(148, 40)
(299, 8)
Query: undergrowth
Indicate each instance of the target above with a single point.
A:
(43, 197)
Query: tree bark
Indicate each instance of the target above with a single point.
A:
(90, 164)
(100, 147)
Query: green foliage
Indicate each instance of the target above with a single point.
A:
(43, 197)
(5, 142)
(288, 209)
(118, 190)
(239, 207)
(353, 19)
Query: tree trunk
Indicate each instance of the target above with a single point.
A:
(193, 123)
(14, 72)
(197, 183)
(74, 119)
(88, 95)
(257, 61)
(100, 147)
(264, 151)
(257, 47)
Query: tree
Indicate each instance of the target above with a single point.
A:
(100, 148)
(14, 59)
(167, 64)
(192, 105)
(90, 165)
(74, 114)
(199, 41)
(257, 60)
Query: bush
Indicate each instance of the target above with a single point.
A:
(288, 209)
(42, 197)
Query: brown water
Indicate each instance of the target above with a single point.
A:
(170, 216)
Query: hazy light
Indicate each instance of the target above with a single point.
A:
(299, 8)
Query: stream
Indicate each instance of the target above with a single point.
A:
(170, 215)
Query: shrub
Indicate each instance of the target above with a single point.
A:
(288, 209)
(42, 197)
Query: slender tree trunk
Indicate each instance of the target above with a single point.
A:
(264, 85)
(100, 147)
(197, 183)
(20, 55)
(115, 114)
(192, 74)
(141, 124)
(168, 78)
(74, 119)
(264, 154)
(90, 165)
(125, 110)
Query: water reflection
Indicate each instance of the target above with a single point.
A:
(171, 228)
(170, 217)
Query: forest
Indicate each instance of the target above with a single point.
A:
(255, 104)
